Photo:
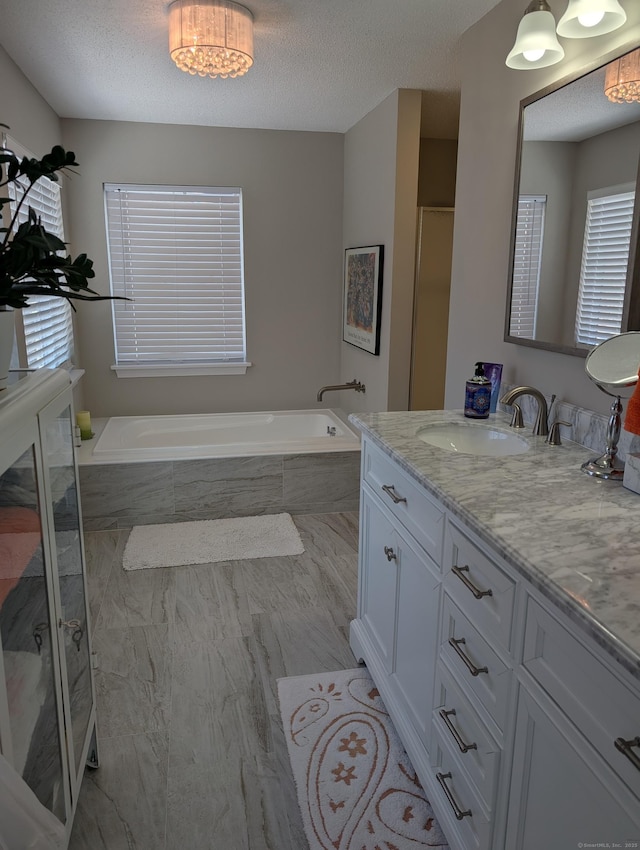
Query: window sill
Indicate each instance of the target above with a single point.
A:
(166, 370)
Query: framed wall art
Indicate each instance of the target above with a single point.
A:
(362, 297)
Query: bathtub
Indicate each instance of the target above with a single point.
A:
(145, 469)
(210, 435)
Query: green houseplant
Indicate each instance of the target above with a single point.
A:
(33, 261)
(30, 259)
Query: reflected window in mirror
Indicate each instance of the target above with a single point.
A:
(527, 256)
(603, 271)
(575, 145)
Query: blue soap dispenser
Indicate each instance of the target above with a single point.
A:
(477, 397)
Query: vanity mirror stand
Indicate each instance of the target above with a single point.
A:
(612, 366)
(609, 465)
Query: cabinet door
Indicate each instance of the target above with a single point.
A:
(64, 514)
(416, 633)
(378, 578)
(30, 725)
(562, 795)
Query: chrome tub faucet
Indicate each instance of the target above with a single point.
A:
(350, 385)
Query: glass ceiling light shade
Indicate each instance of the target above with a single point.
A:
(536, 43)
(622, 79)
(585, 18)
(211, 38)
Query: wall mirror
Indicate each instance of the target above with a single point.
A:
(575, 264)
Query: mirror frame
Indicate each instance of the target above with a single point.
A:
(631, 310)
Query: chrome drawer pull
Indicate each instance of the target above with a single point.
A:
(460, 571)
(625, 748)
(456, 735)
(391, 555)
(471, 667)
(390, 490)
(456, 808)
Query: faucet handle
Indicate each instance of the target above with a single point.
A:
(554, 434)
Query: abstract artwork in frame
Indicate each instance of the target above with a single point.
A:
(362, 297)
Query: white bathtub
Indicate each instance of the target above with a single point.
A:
(127, 439)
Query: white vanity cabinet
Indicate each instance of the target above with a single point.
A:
(572, 783)
(474, 686)
(396, 630)
(509, 712)
(47, 697)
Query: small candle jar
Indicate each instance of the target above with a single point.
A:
(83, 421)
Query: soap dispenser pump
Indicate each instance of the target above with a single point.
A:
(477, 397)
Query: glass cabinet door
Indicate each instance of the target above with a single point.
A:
(73, 633)
(28, 643)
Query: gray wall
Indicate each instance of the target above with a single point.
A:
(295, 188)
(31, 120)
(491, 95)
(292, 188)
(382, 154)
(548, 169)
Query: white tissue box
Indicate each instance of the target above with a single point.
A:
(631, 478)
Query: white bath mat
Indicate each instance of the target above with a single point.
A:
(209, 541)
(356, 787)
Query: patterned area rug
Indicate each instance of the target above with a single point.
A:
(356, 787)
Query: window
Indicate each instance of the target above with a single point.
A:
(44, 329)
(605, 257)
(177, 253)
(526, 265)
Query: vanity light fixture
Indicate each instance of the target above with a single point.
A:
(211, 38)
(586, 18)
(622, 79)
(536, 44)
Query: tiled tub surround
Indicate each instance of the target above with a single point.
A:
(575, 538)
(120, 495)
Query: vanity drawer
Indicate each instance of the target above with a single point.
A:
(405, 499)
(590, 695)
(456, 724)
(468, 824)
(481, 588)
(475, 665)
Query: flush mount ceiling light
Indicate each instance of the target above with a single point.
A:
(622, 79)
(585, 18)
(536, 44)
(211, 38)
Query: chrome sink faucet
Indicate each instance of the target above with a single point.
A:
(541, 426)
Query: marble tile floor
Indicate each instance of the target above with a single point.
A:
(192, 752)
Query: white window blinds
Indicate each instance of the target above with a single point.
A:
(177, 253)
(526, 265)
(46, 322)
(603, 273)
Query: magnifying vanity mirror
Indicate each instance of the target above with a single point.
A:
(575, 264)
(613, 366)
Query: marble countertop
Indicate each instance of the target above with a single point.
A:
(574, 537)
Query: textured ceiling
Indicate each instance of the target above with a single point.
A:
(319, 64)
(577, 111)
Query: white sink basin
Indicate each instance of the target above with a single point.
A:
(473, 439)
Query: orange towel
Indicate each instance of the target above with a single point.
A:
(632, 416)
(19, 539)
